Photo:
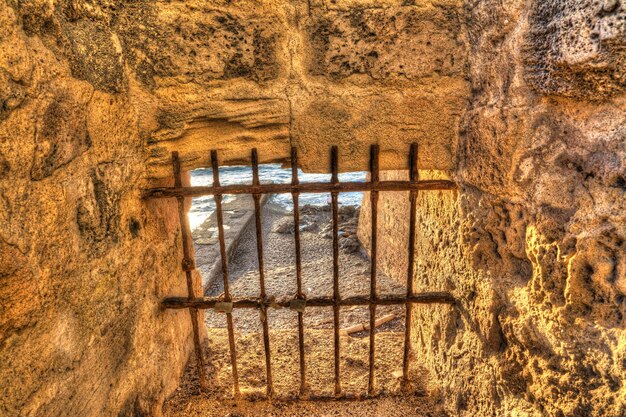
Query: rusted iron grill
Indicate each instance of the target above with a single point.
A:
(299, 302)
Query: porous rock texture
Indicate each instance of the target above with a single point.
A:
(83, 262)
(521, 102)
(310, 74)
(94, 94)
(533, 244)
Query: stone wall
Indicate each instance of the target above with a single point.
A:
(83, 261)
(522, 103)
(533, 243)
(94, 96)
(309, 74)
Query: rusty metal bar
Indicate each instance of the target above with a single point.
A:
(299, 295)
(309, 187)
(210, 302)
(188, 266)
(224, 259)
(334, 169)
(259, 247)
(413, 177)
(298, 303)
(374, 153)
(253, 396)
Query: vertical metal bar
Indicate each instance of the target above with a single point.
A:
(299, 295)
(374, 174)
(413, 177)
(223, 255)
(334, 168)
(188, 266)
(259, 247)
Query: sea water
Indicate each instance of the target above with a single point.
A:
(202, 207)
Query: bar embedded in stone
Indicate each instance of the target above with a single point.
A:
(413, 177)
(299, 295)
(334, 169)
(259, 246)
(374, 179)
(188, 266)
(224, 259)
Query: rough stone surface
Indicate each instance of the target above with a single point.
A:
(275, 74)
(94, 96)
(587, 65)
(522, 102)
(83, 261)
(533, 243)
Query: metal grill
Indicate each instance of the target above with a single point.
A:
(299, 302)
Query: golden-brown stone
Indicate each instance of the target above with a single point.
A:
(522, 103)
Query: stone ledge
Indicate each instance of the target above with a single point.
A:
(238, 216)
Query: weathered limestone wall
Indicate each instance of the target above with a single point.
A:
(83, 262)
(93, 97)
(308, 73)
(534, 243)
(523, 102)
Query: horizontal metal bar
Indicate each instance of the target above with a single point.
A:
(348, 397)
(308, 187)
(210, 302)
